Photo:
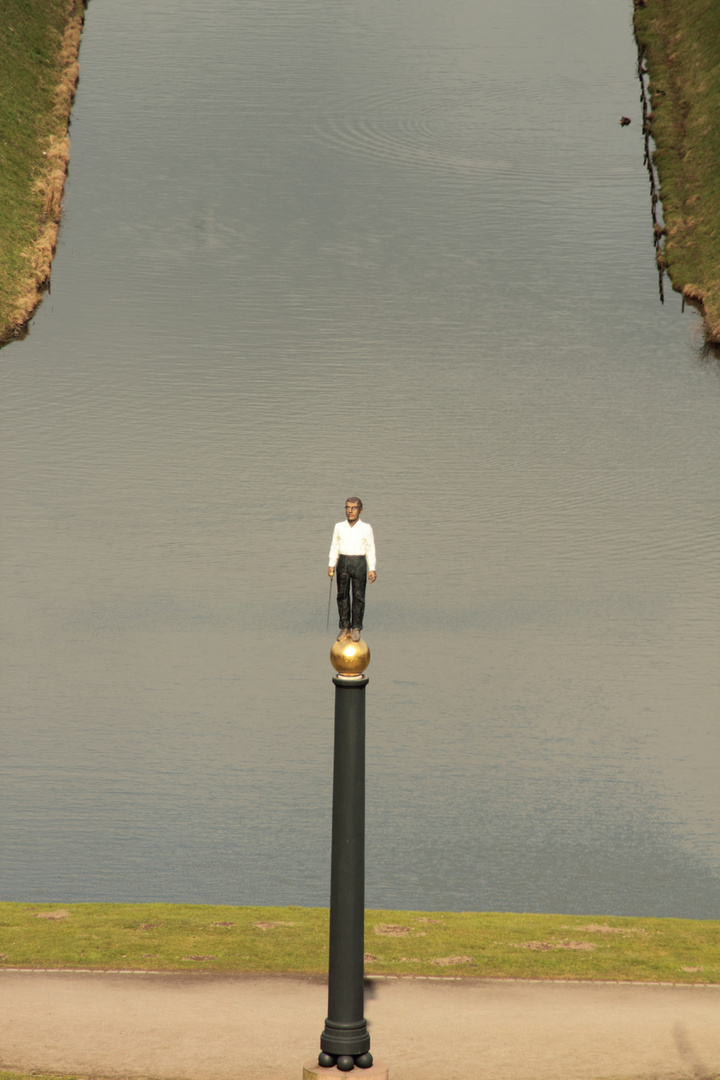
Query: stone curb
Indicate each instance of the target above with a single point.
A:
(370, 978)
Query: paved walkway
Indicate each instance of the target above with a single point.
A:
(204, 1027)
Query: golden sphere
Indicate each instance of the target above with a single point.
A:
(350, 657)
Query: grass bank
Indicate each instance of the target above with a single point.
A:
(679, 48)
(39, 43)
(190, 937)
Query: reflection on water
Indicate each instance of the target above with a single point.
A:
(312, 250)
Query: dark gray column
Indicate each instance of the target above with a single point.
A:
(345, 1042)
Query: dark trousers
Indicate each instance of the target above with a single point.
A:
(351, 573)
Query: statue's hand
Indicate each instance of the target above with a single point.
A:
(331, 571)
(371, 576)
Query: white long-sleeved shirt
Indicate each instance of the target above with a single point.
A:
(357, 539)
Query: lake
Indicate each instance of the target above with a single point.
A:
(396, 251)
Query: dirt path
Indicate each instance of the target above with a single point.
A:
(204, 1027)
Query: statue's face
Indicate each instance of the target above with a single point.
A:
(352, 512)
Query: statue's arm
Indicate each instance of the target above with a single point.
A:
(334, 549)
(371, 557)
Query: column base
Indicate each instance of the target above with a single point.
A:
(313, 1071)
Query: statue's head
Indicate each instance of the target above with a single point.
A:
(353, 506)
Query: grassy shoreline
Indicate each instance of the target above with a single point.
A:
(254, 940)
(39, 45)
(679, 49)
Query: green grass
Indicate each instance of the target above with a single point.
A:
(33, 122)
(182, 937)
(679, 41)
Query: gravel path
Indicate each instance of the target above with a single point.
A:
(204, 1027)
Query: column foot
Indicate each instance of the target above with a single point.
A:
(312, 1070)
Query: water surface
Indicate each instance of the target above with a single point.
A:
(405, 252)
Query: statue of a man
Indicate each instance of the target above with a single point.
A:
(352, 551)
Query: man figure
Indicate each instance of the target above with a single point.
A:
(352, 551)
